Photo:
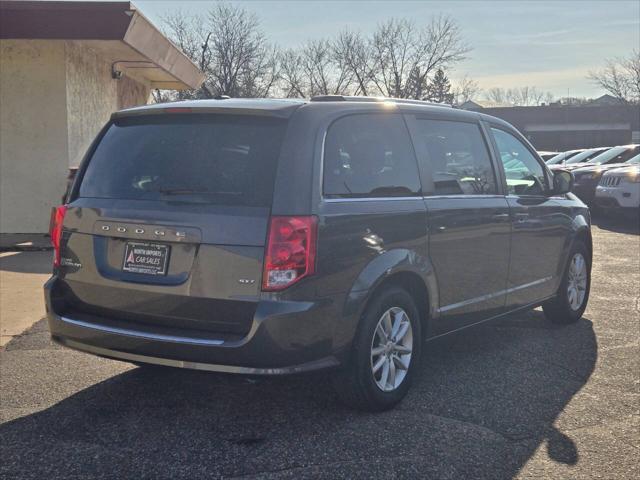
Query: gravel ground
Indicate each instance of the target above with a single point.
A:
(518, 398)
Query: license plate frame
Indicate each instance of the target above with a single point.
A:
(141, 258)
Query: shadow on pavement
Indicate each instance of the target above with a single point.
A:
(628, 222)
(26, 262)
(484, 401)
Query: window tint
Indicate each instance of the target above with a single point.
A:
(369, 156)
(216, 159)
(457, 157)
(525, 175)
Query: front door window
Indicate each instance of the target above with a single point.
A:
(525, 175)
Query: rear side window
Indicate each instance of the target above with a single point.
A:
(369, 155)
(457, 157)
(200, 158)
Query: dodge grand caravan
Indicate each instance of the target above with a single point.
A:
(283, 236)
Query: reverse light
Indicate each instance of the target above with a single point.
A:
(55, 231)
(290, 254)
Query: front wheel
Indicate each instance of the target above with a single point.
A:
(385, 353)
(573, 294)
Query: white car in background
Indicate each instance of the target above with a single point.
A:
(620, 188)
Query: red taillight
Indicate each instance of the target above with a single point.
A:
(290, 253)
(55, 231)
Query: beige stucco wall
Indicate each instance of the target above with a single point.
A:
(92, 95)
(133, 92)
(33, 133)
(54, 98)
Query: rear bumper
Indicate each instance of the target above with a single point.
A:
(285, 337)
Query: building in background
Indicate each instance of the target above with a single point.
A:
(601, 123)
(64, 68)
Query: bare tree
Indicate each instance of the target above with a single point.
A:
(524, 96)
(314, 70)
(292, 80)
(496, 96)
(620, 78)
(466, 89)
(243, 62)
(353, 54)
(192, 36)
(405, 57)
(230, 48)
(399, 59)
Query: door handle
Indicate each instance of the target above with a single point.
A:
(500, 216)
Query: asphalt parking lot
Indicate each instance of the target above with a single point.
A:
(519, 398)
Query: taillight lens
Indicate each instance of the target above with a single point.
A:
(55, 231)
(290, 252)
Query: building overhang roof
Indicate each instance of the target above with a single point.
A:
(115, 30)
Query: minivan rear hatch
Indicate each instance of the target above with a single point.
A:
(168, 221)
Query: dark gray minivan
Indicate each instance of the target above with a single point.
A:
(283, 236)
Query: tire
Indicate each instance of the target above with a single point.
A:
(564, 308)
(356, 384)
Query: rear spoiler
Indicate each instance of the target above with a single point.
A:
(220, 106)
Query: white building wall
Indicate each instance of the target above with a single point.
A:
(33, 133)
(55, 96)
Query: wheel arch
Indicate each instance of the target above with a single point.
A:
(583, 234)
(400, 268)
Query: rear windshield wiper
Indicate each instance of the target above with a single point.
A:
(194, 191)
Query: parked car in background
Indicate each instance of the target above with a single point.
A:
(564, 156)
(545, 155)
(619, 154)
(619, 189)
(587, 178)
(580, 157)
(283, 236)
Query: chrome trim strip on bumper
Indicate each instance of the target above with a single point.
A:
(167, 362)
(144, 335)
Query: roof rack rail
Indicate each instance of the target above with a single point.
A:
(352, 98)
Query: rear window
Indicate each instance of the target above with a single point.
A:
(200, 158)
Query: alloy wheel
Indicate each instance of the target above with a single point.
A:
(391, 348)
(577, 282)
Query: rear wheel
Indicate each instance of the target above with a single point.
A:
(385, 353)
(573, 294)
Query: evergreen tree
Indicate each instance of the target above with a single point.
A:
(440, 88)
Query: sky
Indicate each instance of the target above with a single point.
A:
(551, 45)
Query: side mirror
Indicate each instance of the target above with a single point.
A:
(562, 182)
